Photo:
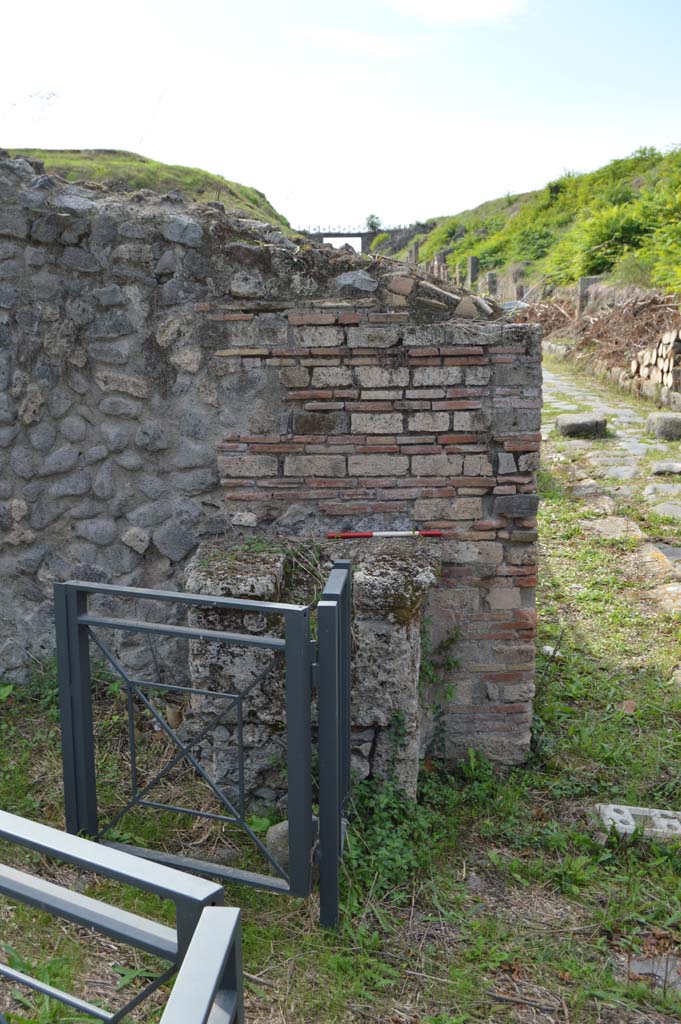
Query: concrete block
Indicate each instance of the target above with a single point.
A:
(655, 822)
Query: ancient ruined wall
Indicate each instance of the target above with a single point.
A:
(169, 375)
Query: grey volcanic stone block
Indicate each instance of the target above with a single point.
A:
(666, 425)
(151, 436)
(44, 512)
(60, 461)
(74, 428)
(71, 485)
(104, 484)
(666, 468)
(183, 230)
(22, 461)
(99, 531)
(7, 435)
(115, 406)
(519, 505)
(174, 540)
(356, 280)
(116, 438)
(95, 454)
(194, 481)
(59, 401)
(581, 425)
(42, 437)
(80, 260)
(129, 460)
(110, 295)
(190, 455)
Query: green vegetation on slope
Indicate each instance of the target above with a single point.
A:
(130, 171)
(623, 219)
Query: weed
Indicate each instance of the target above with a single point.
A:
(391, 839)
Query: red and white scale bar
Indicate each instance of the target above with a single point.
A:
(349, 534)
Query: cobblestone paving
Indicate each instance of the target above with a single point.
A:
(626, 469)
(622, 463)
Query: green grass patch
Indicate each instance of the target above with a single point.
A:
(495, 882)
(132, 171)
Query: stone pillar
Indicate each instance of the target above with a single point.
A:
(222, 668)
(391, 580)
(472, 271)
(390, 585)
(491, 282)
(583, 289)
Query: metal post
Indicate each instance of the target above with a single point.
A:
(299, 746)
(75, 698)
(233, 976)
(328, 615)
(69, 772)
(345, 646)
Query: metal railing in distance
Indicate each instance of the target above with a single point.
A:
(207, 989)
(75, 627)
(191, 896)
(334, 669)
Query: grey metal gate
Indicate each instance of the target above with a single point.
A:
(204, 945)
(324, 664)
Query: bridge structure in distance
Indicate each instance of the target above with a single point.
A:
(365, 237)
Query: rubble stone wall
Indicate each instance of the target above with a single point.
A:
(170, 375)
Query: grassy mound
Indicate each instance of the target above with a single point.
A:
(129, 171)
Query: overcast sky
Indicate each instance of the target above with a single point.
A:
(403, 108)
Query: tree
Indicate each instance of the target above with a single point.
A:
(373, 222)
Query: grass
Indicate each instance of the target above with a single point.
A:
(132, 171)
(492, 897)
(622, 220)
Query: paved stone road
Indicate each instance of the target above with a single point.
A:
(623, 467)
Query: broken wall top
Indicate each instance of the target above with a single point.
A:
(222, 256)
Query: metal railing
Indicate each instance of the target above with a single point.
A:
(76, 626)
(325, 664)
(208, 988)
(213, 976)
(334, 613)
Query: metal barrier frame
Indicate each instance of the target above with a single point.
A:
(208, 988)
(74, 627)
(330, 673)
(218, 971)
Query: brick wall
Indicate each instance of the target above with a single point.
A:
(395, 424)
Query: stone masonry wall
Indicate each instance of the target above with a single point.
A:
(169, 375)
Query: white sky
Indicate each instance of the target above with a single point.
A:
(402, 108)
